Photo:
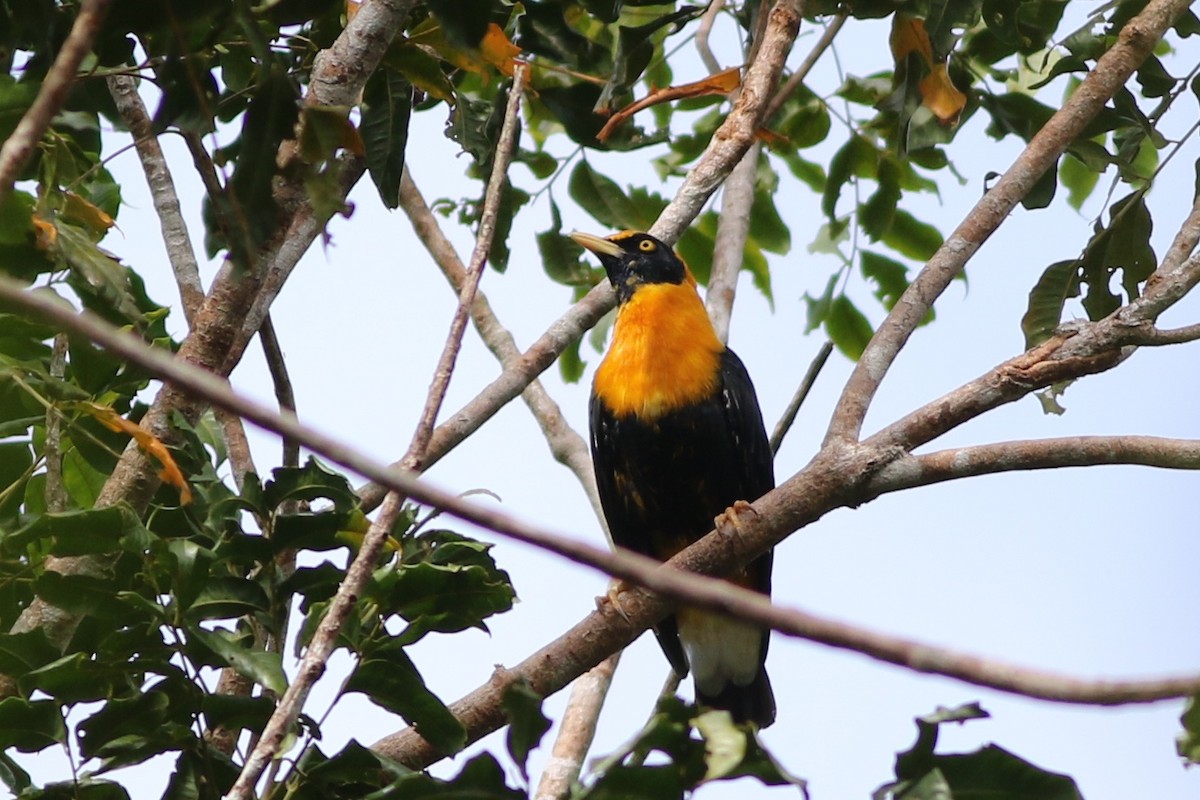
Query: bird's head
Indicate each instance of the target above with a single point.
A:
(633, 259)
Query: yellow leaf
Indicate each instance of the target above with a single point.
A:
(149, 443)
(45, 235)
(940, 96)
(724, 743)
(909, 36)
(498, 51)
(80, 209)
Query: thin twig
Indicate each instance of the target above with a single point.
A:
(180, 252)
(567, 446)
(483, 244)
(18, 147)
(793, 408)
(734, 136)
(1155, 336)
(285, 395)
(729, 250)
(576, 730)
(1134, 43)
(324, 640)
(796, 79)
(827, 482)
(1070, 451)
(56, 490)
(702, 33)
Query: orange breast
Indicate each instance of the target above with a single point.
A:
(664, 353)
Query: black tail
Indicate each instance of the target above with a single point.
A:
(754, 702)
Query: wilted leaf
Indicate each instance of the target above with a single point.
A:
(722, 83)
(147, 441)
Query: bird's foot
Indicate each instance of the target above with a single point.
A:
(729, 523)
(613, 598)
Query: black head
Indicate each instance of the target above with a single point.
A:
(632, 259)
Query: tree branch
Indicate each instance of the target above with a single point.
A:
(1135, 42)
(827, 482)
(789, 414)
(734, 136)
(1072, 451)
(324, 640)
(729, 251)
(567, 446)
(796, 79)
(18, 147)
(577, 729)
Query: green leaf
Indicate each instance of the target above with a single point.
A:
(98, 274)
(889, 276)
(571, 364)
(354, 772)
(77, 678)
(446, 583)
(386, 109)
(876, 214)
(388, 677)
(227, 597)
(1079, 180)
(1043, 314)
(818, 307)
(848, 328)
(856, 158)
(263, 667)
(30, 725)
(1125, 245)
(88, 532)
(561, 257)
(910, 237)
(526, 722)
(25, 652)
(1187, 743)
(601, 197)
(767, 228)
(310, 482)
(1042, 192)
(635, 48)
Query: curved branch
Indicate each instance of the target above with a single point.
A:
(19, 145)
(1134, 44)
(734, 136)
(1071, 451)
(821, 486)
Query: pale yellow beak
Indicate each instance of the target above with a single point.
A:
(597, 244)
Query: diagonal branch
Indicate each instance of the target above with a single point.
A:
(828, 482)
(1135, 42)
(729, 143)
(18, 147)
(324, 639)
(567, 446)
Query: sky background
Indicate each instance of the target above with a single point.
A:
(1090, 572)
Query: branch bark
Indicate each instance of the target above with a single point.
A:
(1134, 44)
(836, 477)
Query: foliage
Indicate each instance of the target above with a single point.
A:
(205, 576)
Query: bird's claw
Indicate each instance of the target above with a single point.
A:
(731, 518)
(612, 598)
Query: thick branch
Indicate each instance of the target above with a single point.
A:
(18, 147)
(1136, 41)
(733, 229)
(826, 483)
(576, 731)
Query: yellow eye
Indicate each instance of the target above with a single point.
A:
(646, 246)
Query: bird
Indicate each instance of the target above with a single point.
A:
(677, 438)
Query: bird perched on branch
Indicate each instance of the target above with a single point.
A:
(678, 438)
